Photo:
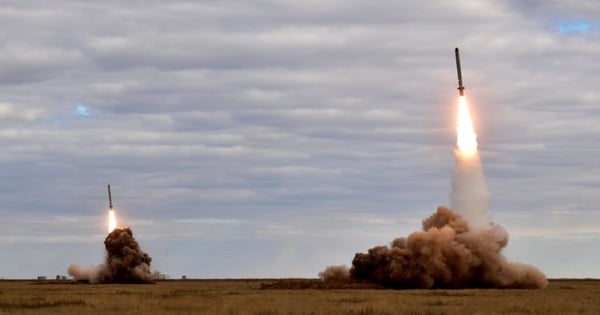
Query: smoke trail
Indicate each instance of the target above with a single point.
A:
(470, 196)
(446, 254)
(125, 262)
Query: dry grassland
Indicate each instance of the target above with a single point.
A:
(251, 297)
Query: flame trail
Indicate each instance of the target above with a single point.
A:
(470, 196)
(466, 139)
(112, 220)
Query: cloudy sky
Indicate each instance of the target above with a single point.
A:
(273, 138)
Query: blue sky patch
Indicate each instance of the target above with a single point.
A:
(579, 27)
(82, 110)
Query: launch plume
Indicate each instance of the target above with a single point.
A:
(470, 196)
(112, 220)
(125, 262)
(459, 249)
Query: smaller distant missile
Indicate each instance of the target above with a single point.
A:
(110, 206)
(461, 88)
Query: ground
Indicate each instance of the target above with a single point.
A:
(260, 297)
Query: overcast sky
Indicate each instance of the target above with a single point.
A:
(273, 138)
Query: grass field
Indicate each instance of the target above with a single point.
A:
(247, 297)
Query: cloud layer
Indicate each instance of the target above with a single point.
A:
(275, 121)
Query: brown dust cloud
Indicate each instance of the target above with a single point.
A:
(125, 262)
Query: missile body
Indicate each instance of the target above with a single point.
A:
(110, 206)
(461, 88)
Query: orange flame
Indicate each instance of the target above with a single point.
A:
(466, 139)
(112, 220)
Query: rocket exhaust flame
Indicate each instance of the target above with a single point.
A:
(112, 220)
(466, 139)
(470, 196)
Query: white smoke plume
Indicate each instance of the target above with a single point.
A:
(92, 274)
(470, 196)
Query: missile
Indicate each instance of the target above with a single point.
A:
(110, 206)
(461, 88)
